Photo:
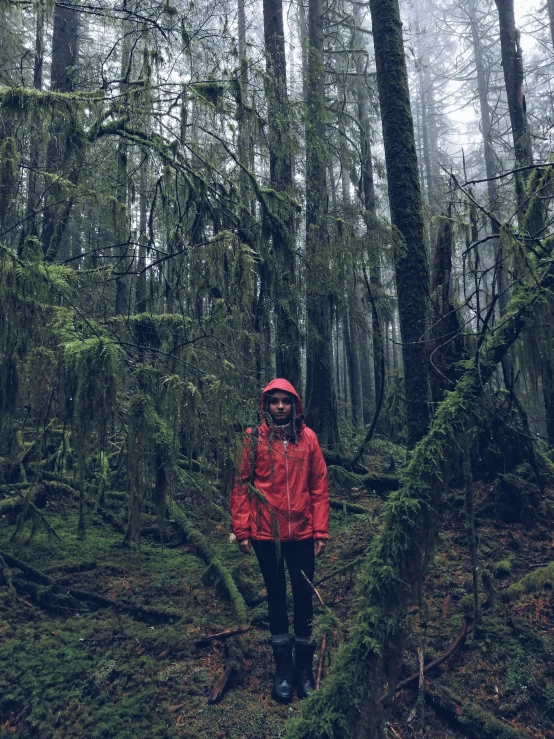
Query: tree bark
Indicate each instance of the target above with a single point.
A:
(550, 5)
(321, 400)
(446, 344)
(531, 215)
(369, 203)
(122, 223)
(65, 54)
(282, 216)
(30, 225)
(512, 65)
(411, 265)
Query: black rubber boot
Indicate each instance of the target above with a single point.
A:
(303, 659)
(283, 680)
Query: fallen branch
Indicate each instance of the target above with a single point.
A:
(219, 687)
(143, 613)
(469, 717)
(194, 536)
(205, 640)
(466, 626)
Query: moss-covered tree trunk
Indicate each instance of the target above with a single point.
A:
(321, 401)
(411, 264)
(282, 220)
(348, 704)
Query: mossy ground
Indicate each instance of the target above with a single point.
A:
(98, 673)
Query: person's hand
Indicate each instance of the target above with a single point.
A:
(245, 546)
(319, 546)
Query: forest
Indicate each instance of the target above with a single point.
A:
(197, 197)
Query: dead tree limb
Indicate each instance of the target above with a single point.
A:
(205, 640)
(219, 687)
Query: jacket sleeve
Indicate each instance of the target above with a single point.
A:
(319, 492)
(240, 503)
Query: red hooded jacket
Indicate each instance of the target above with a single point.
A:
(292, 480)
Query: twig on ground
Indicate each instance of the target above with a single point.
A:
(313, 587)
(205, 640)
(219, 687)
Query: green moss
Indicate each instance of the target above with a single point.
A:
(533, 582)
(503, 568)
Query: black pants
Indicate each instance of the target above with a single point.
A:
(299, 555)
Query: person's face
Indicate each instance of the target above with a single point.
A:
(280, 407)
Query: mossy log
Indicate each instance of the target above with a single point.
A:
(10, 505)
(348, 703)
(533, 582)
(341, 505)
(38, 493)
(195, 537)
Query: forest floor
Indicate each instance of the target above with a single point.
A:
(72, 670)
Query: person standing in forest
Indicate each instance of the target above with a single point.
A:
(280, 509)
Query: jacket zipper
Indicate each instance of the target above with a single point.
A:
(285, 445)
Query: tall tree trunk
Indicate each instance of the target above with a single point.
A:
(65, 53)
(446, 343)
(550, 4)
(321, 400)
(484, 108)
(370, 210)
(140, 295)
(30, 225)
(512, 65)
(531, 215)
(122, 224)
(355, 355)
(282, 216)
(411, 265)
(490, 167)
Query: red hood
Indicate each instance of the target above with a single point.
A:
(280, 384)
